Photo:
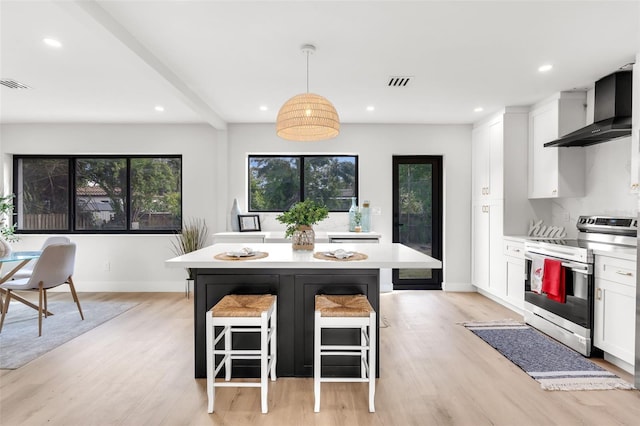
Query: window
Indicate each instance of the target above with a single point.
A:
(278, 182)
(98, 194)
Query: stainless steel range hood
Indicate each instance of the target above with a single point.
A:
(612, 113)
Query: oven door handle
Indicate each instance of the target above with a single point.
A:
(580, 268)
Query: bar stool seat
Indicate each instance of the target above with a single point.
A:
(242, 314)
(345, 311)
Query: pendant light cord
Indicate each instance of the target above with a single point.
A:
(307, 71)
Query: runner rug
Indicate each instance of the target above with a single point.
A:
(552, 364)
(19, 341)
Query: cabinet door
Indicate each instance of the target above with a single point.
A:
(486, 155)
(480, 162)
(543, 162)
(480, 245)
(497, 278)
(634, 184)
(635, 134)
(496, 183)
(615, 318)
(515, 280)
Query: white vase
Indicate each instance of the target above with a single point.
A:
(235, 211)
(5, 248)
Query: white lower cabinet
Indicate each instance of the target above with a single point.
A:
(615, 307)
(514, 268)
(487, 247)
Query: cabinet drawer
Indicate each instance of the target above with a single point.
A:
(514, 248)
(617, 270)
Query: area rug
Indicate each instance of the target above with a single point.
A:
(554, 365)
(19, 341)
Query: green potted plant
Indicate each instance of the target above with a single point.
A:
(192, 237)
(299, 220)
(7, 231)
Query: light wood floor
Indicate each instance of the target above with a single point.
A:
(137, 369)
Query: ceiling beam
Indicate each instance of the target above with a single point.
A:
(109, 23)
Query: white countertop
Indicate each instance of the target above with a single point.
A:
(390, 255)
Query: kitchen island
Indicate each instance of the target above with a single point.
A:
(295, 277)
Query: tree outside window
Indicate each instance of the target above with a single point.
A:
(111, 194)
(278, 182)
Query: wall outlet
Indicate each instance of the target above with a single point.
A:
(107, 266)
(567, 217)
(376, 211)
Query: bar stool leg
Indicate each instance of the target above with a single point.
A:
(274, 339)
(372, 360)
(316, 361)
(228, 335)
(264, 360)
(210, 363)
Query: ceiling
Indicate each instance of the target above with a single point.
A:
(218, 62)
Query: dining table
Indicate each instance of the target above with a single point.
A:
(20, 258)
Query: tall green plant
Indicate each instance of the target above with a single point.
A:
(193, 237)
(7, 231)
(302, 213)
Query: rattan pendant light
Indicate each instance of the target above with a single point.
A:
(307, 117)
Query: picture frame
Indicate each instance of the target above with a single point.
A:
(249, 222)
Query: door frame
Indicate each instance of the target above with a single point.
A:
(436, 161)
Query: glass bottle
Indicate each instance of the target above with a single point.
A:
(352, 215)
(366, 216)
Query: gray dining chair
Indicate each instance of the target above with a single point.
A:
(54, 268)
(27, 270)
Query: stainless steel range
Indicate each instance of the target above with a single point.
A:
(571, 321)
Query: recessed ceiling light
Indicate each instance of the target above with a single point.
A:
(478, 109)
(52, 42)
(371, 108)
(263, 108)
(159, 108)
(545, 67)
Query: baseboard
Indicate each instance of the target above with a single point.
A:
(498, 300)
(126, 286)
(619, 362)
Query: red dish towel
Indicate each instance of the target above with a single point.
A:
(553, 281)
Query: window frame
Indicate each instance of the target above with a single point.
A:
(71, 159)
(302, 158)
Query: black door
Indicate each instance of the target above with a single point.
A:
(417, 216)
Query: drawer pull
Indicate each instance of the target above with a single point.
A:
(626, 274)
(599, 294)
(516, 250)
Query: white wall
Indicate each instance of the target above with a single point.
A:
(375, 144)
(129, 262)
(214, 172)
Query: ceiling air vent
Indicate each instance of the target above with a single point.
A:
(399, 80)
(13, 84)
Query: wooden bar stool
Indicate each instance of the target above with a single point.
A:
(242, 314)
(348, 311)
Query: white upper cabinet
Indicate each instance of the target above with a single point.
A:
(635, 129)
(487, 153)
(556, 172)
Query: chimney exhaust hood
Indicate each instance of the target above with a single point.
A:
(612, 113)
